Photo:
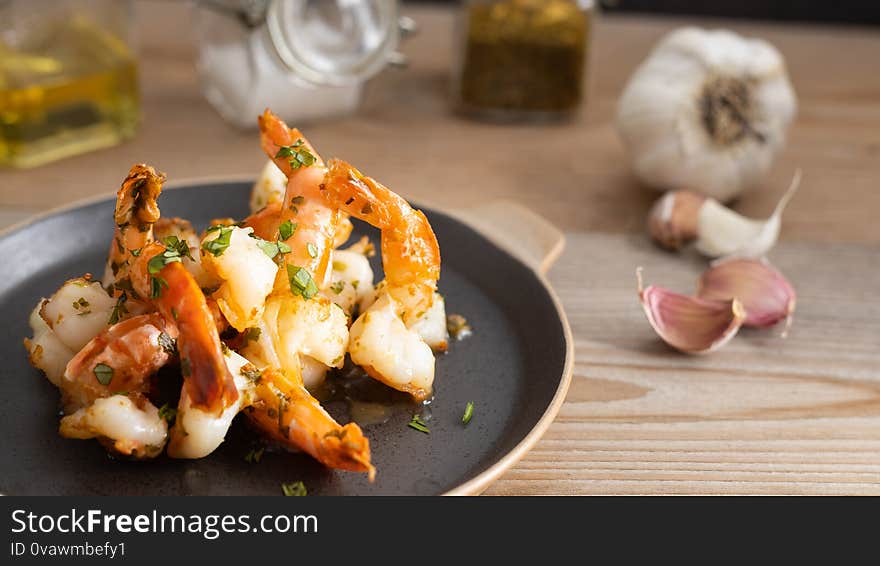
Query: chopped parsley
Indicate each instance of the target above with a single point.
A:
(175, 244)
(103, 373)
(156, 287)
(175, 250)
(418, 424)
(82, 306)
(119, 309)
(337, 287)
(297, 155)
(301, 282)
(287, 229)
(168, 413)
(294, 489)
(218, 245)
(468, 413)
(272, 249)
(254, 456)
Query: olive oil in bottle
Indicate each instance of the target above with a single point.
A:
(68, 87)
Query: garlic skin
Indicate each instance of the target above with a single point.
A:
(707, 110)
(691, 325)
(672, 221)
(764, 292)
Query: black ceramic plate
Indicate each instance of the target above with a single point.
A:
(515, 368)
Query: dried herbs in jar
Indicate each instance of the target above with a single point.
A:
(523, 58)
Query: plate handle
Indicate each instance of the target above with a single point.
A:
(517, 230)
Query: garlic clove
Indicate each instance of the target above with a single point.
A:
(672, 221)
(723, 232)
(764, 292)
(690, 324)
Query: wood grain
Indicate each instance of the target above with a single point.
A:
(763, 415)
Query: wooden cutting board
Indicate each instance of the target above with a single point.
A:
(762, 415)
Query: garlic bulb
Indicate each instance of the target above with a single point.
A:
(706, 111)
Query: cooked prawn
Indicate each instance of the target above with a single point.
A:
(179, 299)
(410, 253)
(111, 405)
(384, 340)
(127, 424)
(312, 221)
(133, 350)
(136, 212)
(246, 274)
(286, 412)
(300, 336)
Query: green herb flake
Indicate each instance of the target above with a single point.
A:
(297, 155)
(168, 413)
(254, 456)
(468, 413)
(175, 245)
(312, 249)
(287, 229)
(418, 424)
(137, 252)
(337, 287)
(103, 373)
(119, 309)
(269, 248)
(218, 245)
(294, 489)
(301, 282)
(283, 248)
(82, 306)
(156, 287)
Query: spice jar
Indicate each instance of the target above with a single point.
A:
(305, 59)
(522, 59)
(68, 78)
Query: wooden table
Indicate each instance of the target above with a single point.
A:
(764, 415)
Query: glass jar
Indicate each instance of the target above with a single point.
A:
(68, 78)
(522, 59)
(304, 59)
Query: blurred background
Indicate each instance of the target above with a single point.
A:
(438, 99)
(855, 11)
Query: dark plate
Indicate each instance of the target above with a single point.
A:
(515, 368)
